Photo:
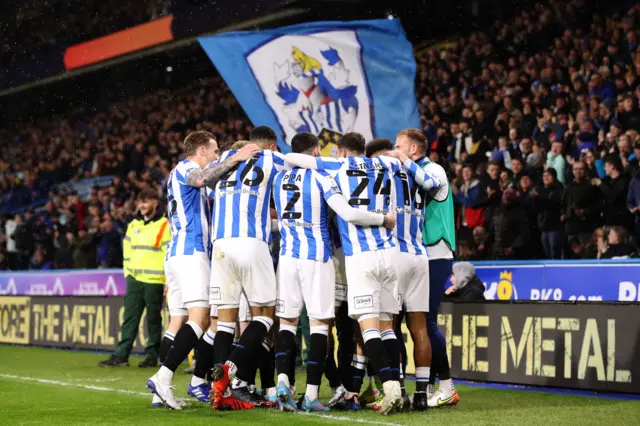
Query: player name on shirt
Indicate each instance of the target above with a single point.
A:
(374, 184)
(368, 185)
(299, 196)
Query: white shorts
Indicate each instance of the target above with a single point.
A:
(187, 283)
(213, 312)
(244, 313)
(242, 265)
(372, 283)
(304, 282)
(413, 281)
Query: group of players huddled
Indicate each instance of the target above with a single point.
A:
(364, 237)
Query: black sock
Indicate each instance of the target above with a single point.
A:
(185, 340)
(330, 367)
(267, 365)
(292, 365)
(204, 356)
(370, 370)
(432, 373)
(346, 344)
(401, 343)
(345, 329)
(378, 358)
(392, 349)
(444, 373)
(317, 357)
(285, 349)
(222, 346)
(345, 374)
(244, 354)
(247, 370)
(165, 345)
(356, 377)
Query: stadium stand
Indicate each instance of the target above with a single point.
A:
(41, 24)
(548, 108)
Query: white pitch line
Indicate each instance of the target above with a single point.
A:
(129, 392)
(77, 385)
(347, 419)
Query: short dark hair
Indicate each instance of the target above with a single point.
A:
(148, 194)
(263, 134)
(353, 142)
(614, 160)
(196, 139)
(377, 145)
(303, 142)
(416, 136)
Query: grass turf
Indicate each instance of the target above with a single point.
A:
(50, 386)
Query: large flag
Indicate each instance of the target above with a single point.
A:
(327, 78)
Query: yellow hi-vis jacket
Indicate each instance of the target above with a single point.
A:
(145, 246)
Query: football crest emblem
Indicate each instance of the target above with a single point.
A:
(315, 83)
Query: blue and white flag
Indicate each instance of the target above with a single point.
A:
(326, 78)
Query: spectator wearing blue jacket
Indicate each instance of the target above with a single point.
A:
(602, 88)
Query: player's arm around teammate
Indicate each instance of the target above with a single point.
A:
(306, 274)
(420, 176)
(187, 263)
(242, 264)
(215, 171)
(370, 273)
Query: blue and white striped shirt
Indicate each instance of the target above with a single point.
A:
(188, 211)
(241, 207)
(412, 184)
(300, 196)
(370, 186)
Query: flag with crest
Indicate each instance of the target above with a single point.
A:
(325, 78)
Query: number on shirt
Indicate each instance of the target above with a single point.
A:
(380, 186)
(419, 197)
(249, 167)
(259, 173)
(405, 188)
(288, 214)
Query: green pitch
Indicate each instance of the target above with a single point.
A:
(61, 387)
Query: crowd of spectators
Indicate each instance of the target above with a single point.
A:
(537, 120)
(137, 141)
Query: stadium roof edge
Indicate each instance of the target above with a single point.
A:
(151, 51)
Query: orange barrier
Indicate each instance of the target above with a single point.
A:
(116, 44)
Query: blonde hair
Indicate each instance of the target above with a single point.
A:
(239, 145)
(416, 136)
